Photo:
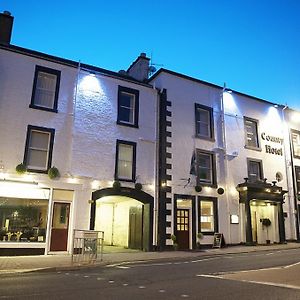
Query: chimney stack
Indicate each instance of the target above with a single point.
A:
(139, 69)
(6, 24)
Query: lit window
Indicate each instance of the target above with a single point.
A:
(254, 170)
(38, 151)
(125, 163)
(251, 133)
(296, 142)
(205, 167)
(204, 121)
(297, 171)
(128, 106)
(45, 89)
(208, 222)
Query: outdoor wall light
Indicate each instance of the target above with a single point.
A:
(163, 184)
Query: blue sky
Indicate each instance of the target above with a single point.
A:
(252, 45)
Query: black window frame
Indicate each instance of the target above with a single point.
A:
(294, 131)
(211, 122)
(297, 178)
(133, 144)
(136, 94)
(51, 131)
(258, 161)
(256, 122)
(214, 200)
(213, 168)
(57, 73)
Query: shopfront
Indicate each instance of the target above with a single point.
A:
(24, 209)
(261, 208)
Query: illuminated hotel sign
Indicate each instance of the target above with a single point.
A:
(273, 140)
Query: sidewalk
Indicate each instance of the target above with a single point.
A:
(20, 264)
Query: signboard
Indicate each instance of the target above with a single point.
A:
(218, 240)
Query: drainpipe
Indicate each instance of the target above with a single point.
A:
(224, 146)
(294, 212)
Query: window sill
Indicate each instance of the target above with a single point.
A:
(127, 125)
(37, 171)
(43, 108)
(124, 180)
(209, 139)
(253, 148)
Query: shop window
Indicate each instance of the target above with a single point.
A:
(23, 220)
(45, 89)
(251, 133)
(125, 161)
(128, 107)
(206, 169)
(296, 143)
(255, 172)
(208, 222)
(38, 150)
(204, 121)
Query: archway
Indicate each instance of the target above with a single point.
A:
(125, 215)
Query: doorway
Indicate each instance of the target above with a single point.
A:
(135, 238)
(183, 221)
(60, 226)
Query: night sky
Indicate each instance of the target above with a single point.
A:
(252, 45)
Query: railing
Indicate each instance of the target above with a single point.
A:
(87, 246)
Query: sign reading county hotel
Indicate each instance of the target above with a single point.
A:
(274, 145)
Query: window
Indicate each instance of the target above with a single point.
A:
(128, 107)
(254, 170)
(204, 121)
(296, 142)
(125, 161)
(38, 150)
(251, 133)
(45, 89)
(208, 222)
(206, 170)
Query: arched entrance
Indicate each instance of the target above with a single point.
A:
(125, 215)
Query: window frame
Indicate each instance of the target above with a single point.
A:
(214, 200)
(133, 175)
(51, 132)
(294, 131)
(260, 162)
(57, 73)
(135, 93)
(297, 178)
(258, 147)
(210, 137)
(212, 156)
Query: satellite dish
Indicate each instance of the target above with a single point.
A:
(279, 176)
(152, 69)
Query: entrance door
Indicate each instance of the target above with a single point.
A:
(183, 237)
(60, 226)
(135, 238)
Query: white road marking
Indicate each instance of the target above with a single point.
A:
(111, 281)
(86, 276)
(184, 296)
(99, 278)
(125, 284)
(142, 287)
(67, 273)
(162, 291)
(123, 267)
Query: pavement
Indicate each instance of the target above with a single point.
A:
(56, 262)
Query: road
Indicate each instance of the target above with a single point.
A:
(209, 277)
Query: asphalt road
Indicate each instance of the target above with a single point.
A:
(203, 278)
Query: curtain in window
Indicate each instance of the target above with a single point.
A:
(45, 90)
(38, 150)
(125, 161)
(207, 216)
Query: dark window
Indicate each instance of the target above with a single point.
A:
(208, 214)
(125, 161)
(204, 121)
(297, 171)
(251, 133)
(38, 149)
(128, 107)
(296, 142)
(45, 89)
(255, 171)
(206, 168)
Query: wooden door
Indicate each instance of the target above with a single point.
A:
(183, 231)
(60, 226)
(135, 238)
